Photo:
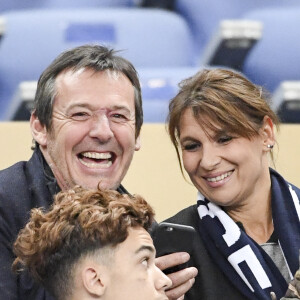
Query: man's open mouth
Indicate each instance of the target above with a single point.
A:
(97, 160)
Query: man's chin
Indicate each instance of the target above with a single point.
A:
(103, 184)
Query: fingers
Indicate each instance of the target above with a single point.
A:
(182, 280)
(179, 292)
(273, 296)
(171, 260)
(183, 277)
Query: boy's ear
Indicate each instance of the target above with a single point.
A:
(94, 280)
(38, 131)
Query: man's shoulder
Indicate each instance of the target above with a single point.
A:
(11, 173)
(18, 171)
(16, 179)
(22, 187)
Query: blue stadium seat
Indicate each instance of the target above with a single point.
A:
(147, 37)
(276, 57)
(204, 16)
(159, 86)
(8, 5)
(286, 101)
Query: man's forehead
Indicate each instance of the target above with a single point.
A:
(68, 83)
(77, 73)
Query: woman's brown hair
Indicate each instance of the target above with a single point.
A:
(220, 98)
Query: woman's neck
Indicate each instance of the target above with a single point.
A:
(255, 214)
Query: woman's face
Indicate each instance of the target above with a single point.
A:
(226, 169)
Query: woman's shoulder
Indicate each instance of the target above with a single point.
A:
(187, 216)
(284, 182)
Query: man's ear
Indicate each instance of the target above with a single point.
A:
(267, 133)
(94, 280)
(38, 131)
(137, 144)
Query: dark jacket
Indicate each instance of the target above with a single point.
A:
(23, 186)
(210, 284)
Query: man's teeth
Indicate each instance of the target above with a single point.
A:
(219, 178)
(96, 165)
(97, 155)
(104, 160)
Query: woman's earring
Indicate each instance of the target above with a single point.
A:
(270, 146)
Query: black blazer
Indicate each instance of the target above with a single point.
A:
(210, 283)
(23, 186)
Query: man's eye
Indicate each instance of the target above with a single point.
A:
(80, 116)
(119, 118)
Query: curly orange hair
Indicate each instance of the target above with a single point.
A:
(79, 222)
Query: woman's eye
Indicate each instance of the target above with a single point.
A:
(190, 146)
(224, 139)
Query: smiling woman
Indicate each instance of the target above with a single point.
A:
(223, 131)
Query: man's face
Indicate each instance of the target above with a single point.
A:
(133, 274)
(92, 138)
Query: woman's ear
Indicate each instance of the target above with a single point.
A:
(267, 133)
(38, 131)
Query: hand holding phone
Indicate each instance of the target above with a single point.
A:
(169, 238)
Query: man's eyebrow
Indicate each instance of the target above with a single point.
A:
(90, 106)
(145, 247)
(84, 105)
(119, 107)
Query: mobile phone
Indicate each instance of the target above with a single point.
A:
(169, 238)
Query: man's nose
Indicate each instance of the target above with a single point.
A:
(101, 128)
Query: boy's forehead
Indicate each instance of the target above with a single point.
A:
(138, 238)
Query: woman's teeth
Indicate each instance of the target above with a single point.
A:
(219, 178)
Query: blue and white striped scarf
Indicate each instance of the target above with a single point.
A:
(241, 259)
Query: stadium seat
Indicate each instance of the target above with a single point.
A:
(286, 101)
(159, 86)
(231, 44)
(10, 5)
(147, 37)
(276, 57)
(204, 16)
